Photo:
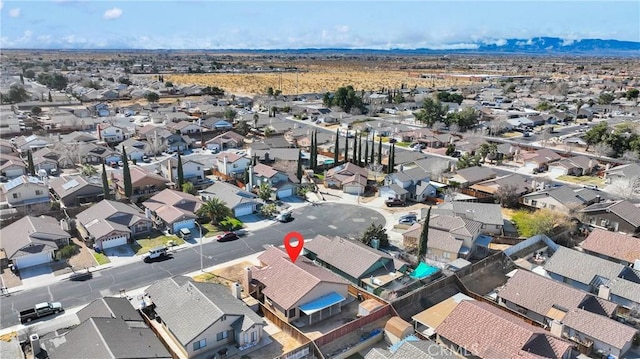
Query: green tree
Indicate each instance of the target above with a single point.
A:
(466, 118)
(354, 158)
(372, 160)
(398, 98)
(431, 112)
(30, 166)
(151, 96)
(88, 170)
(168, 84)
(360, 150)
(50, 98)
(468, 160)
(544, 106)
(30, 74)
(215, 209)
(596, 134)
(21, 79)
(36, 110)
(180, 171)
(188, 187)
(451, 149)
(230, 114)
(606, 98)
(54, 81)
(105, 183)
(379, 150)
(445, 96)
(265, 191)
(314, 151)
(299, 171)
(18, 94)
(126, 174)
(327, 99)
(270, 91)
(392, 159)
(632, 94)
(336, 149)
(346, 149)
(376, 231)
(366, 152)
(256, 117)
(269, 209)
(242, 127)
(424, 236)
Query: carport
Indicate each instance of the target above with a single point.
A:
(322, 308)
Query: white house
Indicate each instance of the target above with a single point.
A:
(192, 171)
(231, 163)
(26, 194)
(12, 167)
(111, 133)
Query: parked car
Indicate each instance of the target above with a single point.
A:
(394, 202)
(591, 186)
(146, 159)
(155, 253)
(409, 221)
(284, 217)
(226, 237)
(114, 164)
(40, 310)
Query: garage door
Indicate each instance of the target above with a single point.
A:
(114, 242)
(352, 189)
(32, 260)
(283, 193)
(243, 210)
(557, 171)
(183, 224)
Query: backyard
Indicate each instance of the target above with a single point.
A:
(225, 275)
(583, 180)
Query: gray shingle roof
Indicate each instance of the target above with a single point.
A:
(109, 307)
(232, 195)
(189, 308)
(607, 331)
(476, 174)
(107, 338)
(107, 216)
(580, 266)
(31, 235)
(487, 213)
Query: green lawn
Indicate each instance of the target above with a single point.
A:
(101, 258)
(142, 246)
(584, 180)
(210, 230)
(403, 144)
(511, 134)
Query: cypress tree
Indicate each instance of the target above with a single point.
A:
(299, 172)
(366, 153)
(126, 174)
(32, 168)
(424, 236)
(379, 150)
(105, 183)
(50, 98)
(355, 149)
(391, 161)
(346, 148)
(336, 149)
(360, 150)
(180, 173)
(373, 156)
(314, 152)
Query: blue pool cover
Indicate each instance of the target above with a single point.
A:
(321, 303)
(424, 270)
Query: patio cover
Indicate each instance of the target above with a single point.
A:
(321, 303)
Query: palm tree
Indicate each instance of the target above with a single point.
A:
(215, 209)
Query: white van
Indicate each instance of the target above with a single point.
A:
(184, 233)
(154, 253)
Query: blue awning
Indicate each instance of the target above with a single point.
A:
(483, 241)
(321, 303)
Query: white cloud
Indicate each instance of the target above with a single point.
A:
(112, 13)
(1, 4)
(14, 12)
(342, 28)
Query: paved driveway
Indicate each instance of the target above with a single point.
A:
(31, 276)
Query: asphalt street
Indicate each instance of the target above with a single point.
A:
(327, 218)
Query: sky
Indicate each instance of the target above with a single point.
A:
(238, 24)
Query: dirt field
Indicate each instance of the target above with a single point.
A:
(314, 81)
(226, 275)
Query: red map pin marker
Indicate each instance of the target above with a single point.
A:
(293, 251)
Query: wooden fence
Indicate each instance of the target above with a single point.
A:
(350, 327)
(283, 325)
(357, 292)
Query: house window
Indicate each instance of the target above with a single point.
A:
(224, 317)
(292, 313)
(200, 344)
(534, 203)
(16, 195)
(235, 165)
(38, 192)
(254, 337)
(552, 206)
(222, 335)
(446, 255)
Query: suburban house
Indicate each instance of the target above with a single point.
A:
(317, 295)
(609, 280)
(193, 171)
(573, 166)
(44, 164)
(185, 127)
(428, 320)
(12, 167)
(471, 175)
(519, 184)
(280, 182)
(165, 139)
(225, 141)
(349, 177)
(6, 148)
(110, 307)
(110, 224)
(111, 133)
(408, 184)
(173, 209)
(562, 198)
(612, 246)
(232, 164)
(479, 329)
(271, 155)
(540, 159)
(202, 318)
(73, 191)
(617, 216)
(241, 202)
(624, 172)
(31, 143)
(358, 263)
(61, 160)
(32, 240)
(143, 182)
(136, 149)
(411, 349)
(488, 214)
(113, 338)
(26, 194)
(93, 154)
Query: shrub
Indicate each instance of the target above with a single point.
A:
(68, 251)
(230, 224)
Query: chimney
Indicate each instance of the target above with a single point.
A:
(556, 328)
(170, 167)
(236, 290)
(224, 164)
(598, 199)
(34, 339)
(604, 292)
(247, 280)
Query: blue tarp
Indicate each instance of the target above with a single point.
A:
(483, 241)
(396, 346)
(321, 303)
(424, 270)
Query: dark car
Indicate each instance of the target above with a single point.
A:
(227, 237)
(391, 202)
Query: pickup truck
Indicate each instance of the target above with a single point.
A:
(40, 310)
(391, 202)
